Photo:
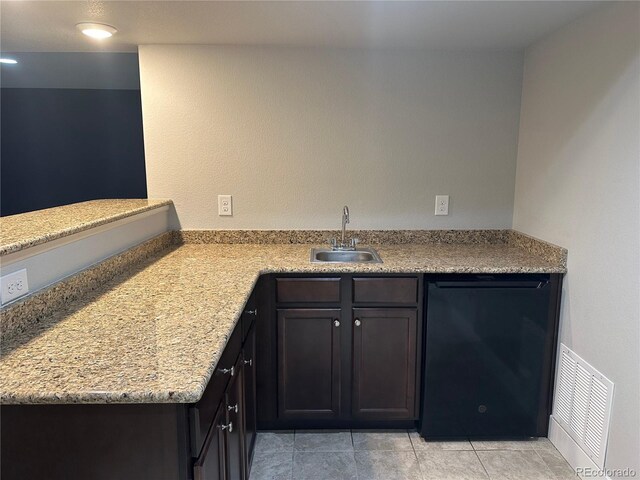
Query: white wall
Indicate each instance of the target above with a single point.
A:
(578, 184)
(293, 134)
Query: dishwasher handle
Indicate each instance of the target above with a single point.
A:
(533, 284)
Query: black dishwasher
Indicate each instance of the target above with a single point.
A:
(490, 341)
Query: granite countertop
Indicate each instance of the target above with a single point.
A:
(25, 230)
(154, 333)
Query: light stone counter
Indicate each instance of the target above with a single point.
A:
(25, 230)
(155, 332)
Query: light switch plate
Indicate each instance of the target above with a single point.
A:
(442, 204)
(225, 208)
(14, 285)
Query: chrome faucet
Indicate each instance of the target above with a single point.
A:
(345, 220)
(343, 244)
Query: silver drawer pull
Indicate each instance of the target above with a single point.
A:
(230, 371)
(251, 312)
(228, 426)
(233, 408)
(357, 322)
(249, 362)
(336, 322)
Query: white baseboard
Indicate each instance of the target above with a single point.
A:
(572, 452)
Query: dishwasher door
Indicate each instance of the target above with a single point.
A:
(487, 338)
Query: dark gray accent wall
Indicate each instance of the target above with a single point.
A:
(71, 129)
(61, 146)
(100, 70)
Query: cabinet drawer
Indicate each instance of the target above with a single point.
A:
(308, 290)
(386, 290)
(203, 412)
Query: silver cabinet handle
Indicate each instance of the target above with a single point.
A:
(249, 362)
(230, 371)
(233, 408)
(357, 322)
(251, 312)
(228, 426)
(336, 322)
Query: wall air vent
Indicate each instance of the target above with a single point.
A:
(582, 404)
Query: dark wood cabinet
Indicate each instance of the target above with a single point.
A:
(223, 453)
(202, 413)
(95, 441)
(212, 462)
(385, 342)
(234, 427)
(319, 369)
(248, 357)
(309, 363)
(229, 443)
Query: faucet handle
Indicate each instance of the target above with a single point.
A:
(333, 242)
(354, 242)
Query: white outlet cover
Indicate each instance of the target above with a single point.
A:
(13, 286)
(442, 204)
(225, 207)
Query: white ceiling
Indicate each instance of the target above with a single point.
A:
(49, 26)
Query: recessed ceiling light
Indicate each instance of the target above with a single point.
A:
(97, 30)
(10, 61)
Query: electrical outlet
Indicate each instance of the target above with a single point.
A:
(442, 204)
(14, 285)
(224, 205)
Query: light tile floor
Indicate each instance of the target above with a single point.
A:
(401, 455)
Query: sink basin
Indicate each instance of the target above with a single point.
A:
(361, 255)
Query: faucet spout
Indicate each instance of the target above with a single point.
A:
(345, 220)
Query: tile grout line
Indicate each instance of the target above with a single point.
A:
(481, 464)
(293, 452)
(413, 447)
(353, 444)
(415, 453)
(553, 474)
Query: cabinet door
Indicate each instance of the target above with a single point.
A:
(211, 463)
(384, 363)
(249, 355)
(309, 363)
(234, 404)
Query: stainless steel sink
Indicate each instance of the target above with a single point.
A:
(361, 255)
(344, 252)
